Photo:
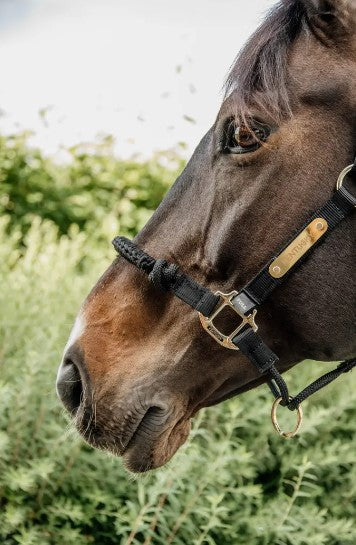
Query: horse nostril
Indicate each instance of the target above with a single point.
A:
(70, 385)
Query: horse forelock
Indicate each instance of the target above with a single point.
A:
(259, 73)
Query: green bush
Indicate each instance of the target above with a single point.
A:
(234, 483)
(92, 189)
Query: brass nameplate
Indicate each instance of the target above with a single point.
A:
(298, 247)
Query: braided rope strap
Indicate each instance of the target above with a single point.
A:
(318, 384)
(167, 277)
(132, 253)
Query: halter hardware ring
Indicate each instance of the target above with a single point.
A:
(343, 175)
(285, 434)
(208, 321)
(340, 183)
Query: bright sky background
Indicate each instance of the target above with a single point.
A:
(131, 68)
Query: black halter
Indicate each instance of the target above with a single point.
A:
(167, 277)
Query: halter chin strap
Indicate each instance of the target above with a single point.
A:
(167, 277)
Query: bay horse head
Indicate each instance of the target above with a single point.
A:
(138, 366)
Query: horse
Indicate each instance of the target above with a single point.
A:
(138, 366)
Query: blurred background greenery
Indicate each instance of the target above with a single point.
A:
(235, 482)
(90, 189)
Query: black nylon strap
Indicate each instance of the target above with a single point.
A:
(264, 359)
(251, 344)
(195, 295)
(262, 285)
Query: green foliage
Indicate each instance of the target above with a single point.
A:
(234, 483)
(92, 189)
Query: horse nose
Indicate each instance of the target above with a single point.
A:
(71, 381)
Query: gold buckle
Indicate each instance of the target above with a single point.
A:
(208, 322)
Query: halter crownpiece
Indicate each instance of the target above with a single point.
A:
(167, 277)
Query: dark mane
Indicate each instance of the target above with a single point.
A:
(259, 73)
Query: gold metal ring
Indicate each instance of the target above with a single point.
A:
(342, 176)
(285, 434)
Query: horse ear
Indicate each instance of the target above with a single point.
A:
(331, 20)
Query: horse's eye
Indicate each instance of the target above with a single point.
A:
(243, 139)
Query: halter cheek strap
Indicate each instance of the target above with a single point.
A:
(167, 277)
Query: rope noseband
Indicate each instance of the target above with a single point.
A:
(167, 277)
